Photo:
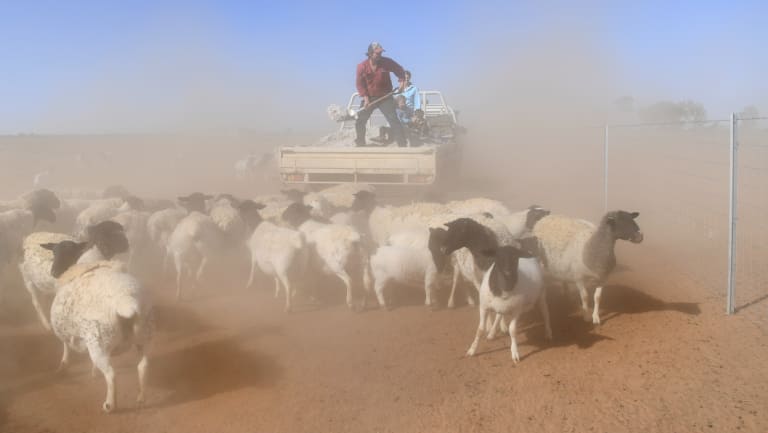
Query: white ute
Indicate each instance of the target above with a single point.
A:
(335, 159)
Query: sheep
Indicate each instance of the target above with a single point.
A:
(386, 220)
(161, 223)
(337, 247)
(134, 223)
(276, 204)
(104, 210)
(23, 216)
(406, 260)
(195, 202)
(106, 239)
(279, 252)
(103, 310)
(226, 215)
(195, 236)
(330, 201)
(512, 285)
(478, 205)
(575, 251)
(461, 260)
(520, 224)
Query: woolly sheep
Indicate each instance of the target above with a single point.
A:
(512, 285)
(337, 247)
(196, 236)
(105, 240)
(279, 252)
(478, 205)
(101, 309)
(407, 260)
(104, 210)
(575, 251)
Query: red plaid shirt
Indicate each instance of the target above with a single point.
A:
(377, 83)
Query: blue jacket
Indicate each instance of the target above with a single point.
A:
(412, 97)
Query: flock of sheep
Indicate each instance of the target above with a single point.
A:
(82, 254)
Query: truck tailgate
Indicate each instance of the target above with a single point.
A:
(373, 165)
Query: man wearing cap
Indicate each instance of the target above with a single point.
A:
(373, 82)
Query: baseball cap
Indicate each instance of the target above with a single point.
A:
(375, 46)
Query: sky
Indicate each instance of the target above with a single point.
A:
(153, 66)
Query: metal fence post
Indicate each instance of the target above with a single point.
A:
(730, 307)
(605, 168)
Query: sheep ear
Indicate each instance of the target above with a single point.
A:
(48, 246)
(635, 214)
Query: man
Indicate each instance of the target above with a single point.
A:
(373, 82)
(404, 115)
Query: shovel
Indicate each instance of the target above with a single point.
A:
(352, 114)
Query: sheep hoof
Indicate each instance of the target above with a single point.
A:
(106, 407)
(451, 305)
(471, 352)
(140, 401)
(596, 319)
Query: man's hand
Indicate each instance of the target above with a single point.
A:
(366, 102)
(401, 88)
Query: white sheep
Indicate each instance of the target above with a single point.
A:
(134, 224)
(195, 237)
(337, 248)
(106, 239)
(103, 310)
(512, 285)
(477, 205)
(279, 252)
(102, 211)
(404, 265)
(387, 220)
(576, 251)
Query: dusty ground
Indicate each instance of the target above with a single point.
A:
(229, 360)
(665, 359)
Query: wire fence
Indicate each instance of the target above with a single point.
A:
(704, 185)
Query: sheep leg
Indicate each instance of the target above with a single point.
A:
(179, 265)
(251, 275)
(101, 361)
(367, 283)
(64, 363)
(200, 269)
(344, 276)
(141, 368)
(492, 332)
(39, 309)
(480, 329)
(545, 314)
(596, 312)
(430, 288)
(455, 283)
(513, 340)
(584, 301)
(288, 292)
(379, 285)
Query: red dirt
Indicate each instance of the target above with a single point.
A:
(229, 360)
